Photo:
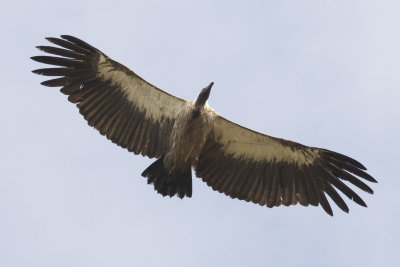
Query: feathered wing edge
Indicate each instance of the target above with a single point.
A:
(274, 180)
(126, 109)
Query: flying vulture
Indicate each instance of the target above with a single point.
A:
(181, 134)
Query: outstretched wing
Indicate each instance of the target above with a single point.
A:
(269, 171)
(125, 108)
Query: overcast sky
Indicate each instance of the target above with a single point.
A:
(322, 73)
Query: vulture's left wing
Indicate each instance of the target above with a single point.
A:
(248, 165)
(125, 108)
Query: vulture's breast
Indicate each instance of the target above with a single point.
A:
(189, 135)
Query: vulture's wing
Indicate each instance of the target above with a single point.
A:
(269, 171)
(125, 108)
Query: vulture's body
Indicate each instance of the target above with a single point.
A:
(183, 134)
(172, 173)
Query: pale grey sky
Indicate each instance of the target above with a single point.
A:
(323, 73)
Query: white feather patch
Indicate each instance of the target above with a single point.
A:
(245, 144)
(148, 99)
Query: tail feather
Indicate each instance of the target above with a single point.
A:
(169, 184)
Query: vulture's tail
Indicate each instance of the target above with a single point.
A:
(169, 184)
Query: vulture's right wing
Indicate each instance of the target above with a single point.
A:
(248, 165)
(128, 110)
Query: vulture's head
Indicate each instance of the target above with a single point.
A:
(201, 100)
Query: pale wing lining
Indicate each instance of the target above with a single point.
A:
(153, 102)
(243, 143)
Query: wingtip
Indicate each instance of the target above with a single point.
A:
(44, 83)
(328, 210)
(35, 58)
(347, 210)
(362, 167)
(65, 36)
(359, 201)
(372, 180)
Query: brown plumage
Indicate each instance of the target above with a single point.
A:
(182, 134)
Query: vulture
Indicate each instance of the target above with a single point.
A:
(182, 135)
